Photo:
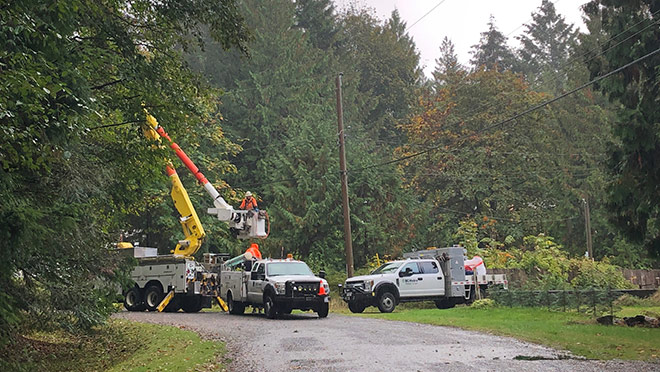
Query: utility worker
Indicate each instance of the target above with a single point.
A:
(248, 203)
(254, 251)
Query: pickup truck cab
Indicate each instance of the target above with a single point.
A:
(279, 286)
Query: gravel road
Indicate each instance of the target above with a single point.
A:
(302, 342)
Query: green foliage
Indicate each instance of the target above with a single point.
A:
(116, 346)
(485, 303)
(74, 166)
(546, 47)
(492, 52)
(633, 193)
(280, 105)
(597, 274)
(466, 236)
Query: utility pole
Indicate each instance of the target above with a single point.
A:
(587, 227)
(348, 242)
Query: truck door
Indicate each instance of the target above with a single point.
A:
(433, 283)
(410, 285)
(256, 283)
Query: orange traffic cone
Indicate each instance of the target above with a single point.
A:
(321, 290)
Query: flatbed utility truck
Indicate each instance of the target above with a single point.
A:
(436, 275)
(177, 281)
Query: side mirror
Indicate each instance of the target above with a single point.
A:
(322, 274)
(406, 272)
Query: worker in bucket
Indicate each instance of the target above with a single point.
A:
(249, 202)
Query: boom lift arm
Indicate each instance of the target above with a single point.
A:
(243, 223)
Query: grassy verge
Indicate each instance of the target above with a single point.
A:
(118, 346)
(571, 331)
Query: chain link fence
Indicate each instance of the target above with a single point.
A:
(592, 301)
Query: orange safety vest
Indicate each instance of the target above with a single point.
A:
(248, 204)
(254, 251)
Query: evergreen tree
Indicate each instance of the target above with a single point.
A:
(387, 64)
(448, 70)
(492, 51)
(546, 46)
(634, 196)
(318, 19)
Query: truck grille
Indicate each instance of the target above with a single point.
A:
(302, 289)
(356, 285)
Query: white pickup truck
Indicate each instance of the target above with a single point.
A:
(431, 275)
(279, 286)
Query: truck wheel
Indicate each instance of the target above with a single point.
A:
(473, 295)
(323, 310)
(153, 295)
(235, 307)
(386, 302)
(269, 306)
(133, 300)
(192, 304)
(356, 307)
(445, 303)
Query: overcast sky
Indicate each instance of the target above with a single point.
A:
(463, 21)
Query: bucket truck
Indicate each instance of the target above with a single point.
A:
(177, 281)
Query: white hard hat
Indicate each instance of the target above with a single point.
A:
(248, 194)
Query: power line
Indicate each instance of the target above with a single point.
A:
(422, 17)
(516, 116)
(500, 219)
(578, 58)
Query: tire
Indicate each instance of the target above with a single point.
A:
(192, 304)
(473, 295)
(356, 307)
(153, 295)
(133, 300)
(386, 302)
(446, 303)
(235, 307)
(269, 306)
(323, 310)
(286, 310)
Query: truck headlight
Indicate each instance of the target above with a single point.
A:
(280, 288)
(368, 285)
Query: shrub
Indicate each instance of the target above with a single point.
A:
(597, 274)
(486, 303)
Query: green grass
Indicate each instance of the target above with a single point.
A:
(653, 311)
(118, 346)
(571, 331)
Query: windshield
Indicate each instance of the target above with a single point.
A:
(288, 268)
(387, 268)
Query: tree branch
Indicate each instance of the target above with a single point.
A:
(116, 124)
(96, 87)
